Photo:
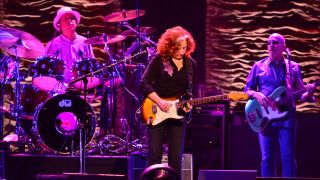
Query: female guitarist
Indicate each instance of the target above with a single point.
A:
(169, 75)
(272, 82)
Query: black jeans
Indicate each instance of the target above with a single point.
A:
(171, 131)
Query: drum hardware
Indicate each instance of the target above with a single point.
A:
(100, 39)
(84, 79)
(123, 15)
(141, 41)
(57, 123)
(112, 143)
(86, 66)
(26, 45)
(48, 73)
(143, 30)
(22, 45)
(124, 60)
(140, 36)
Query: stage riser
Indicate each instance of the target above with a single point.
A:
(227, 174)
(20, 167)
(25, 167)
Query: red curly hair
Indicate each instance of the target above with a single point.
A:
(170, 42)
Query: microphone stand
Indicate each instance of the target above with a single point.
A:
(290, 74)
(82, 133)
(4, 67)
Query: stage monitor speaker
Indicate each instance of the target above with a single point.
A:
(4, 148)
(227, 174)
(79, 176)
(138, 163)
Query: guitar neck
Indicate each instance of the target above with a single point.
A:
(303, 90)
(205, 100)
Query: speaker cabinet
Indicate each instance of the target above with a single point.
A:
(138, 163)
(206, 136)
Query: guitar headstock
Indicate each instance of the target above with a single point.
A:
(236, 95)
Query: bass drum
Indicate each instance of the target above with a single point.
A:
(56, 123)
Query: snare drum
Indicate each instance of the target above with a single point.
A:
(48, 73)
(56, 123)
(85, 66)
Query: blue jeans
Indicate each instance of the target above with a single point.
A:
(268, 145)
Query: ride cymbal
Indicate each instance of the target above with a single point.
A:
(123, 15)
(20, 43)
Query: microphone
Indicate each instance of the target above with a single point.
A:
(88, 34)
(124, 14)
(105, 39)
(80, 53)
(287, 50)
(57, 53)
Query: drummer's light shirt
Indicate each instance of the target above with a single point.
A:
(69, 52)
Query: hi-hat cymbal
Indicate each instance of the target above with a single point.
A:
(100, 39)
(143, 30)
(123, 15)
(20, 43)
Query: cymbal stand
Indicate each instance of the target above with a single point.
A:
(142, 36)
(116, 73)
(2, 84)
(19, 131)
(112, 89)
(82, 133)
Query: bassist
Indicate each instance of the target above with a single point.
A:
(264, 78)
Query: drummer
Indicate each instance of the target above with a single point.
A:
(69, 45)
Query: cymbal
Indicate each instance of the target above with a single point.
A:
(100, 39)
(27, 46)
(123, 15)
(143, 30)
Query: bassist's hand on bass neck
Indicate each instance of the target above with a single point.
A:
(308, 95)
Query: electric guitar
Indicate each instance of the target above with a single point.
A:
(259, 117)
(152, 115)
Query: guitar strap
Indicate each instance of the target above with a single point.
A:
(289, 82)
(189, 64)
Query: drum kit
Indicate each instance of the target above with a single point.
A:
(58, 112)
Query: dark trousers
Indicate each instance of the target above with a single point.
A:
(173, 132)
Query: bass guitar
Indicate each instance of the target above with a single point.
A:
(259, 117)
(152, 115)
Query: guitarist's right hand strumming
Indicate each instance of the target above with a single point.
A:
(263, 100)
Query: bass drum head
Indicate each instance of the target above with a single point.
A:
(58, 122)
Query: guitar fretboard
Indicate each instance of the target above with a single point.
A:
(204, 100)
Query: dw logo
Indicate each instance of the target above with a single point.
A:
(65, 103)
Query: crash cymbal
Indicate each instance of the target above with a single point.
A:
(143, 30)
(123, 15)
(27, 46)
(100, 39)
